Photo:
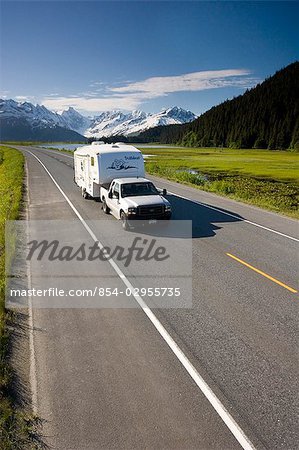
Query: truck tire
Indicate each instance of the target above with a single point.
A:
(105, 207)
(124, 221)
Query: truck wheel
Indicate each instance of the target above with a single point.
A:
(105, 207)
(124, 221)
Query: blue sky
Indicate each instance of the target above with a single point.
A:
(146, 55)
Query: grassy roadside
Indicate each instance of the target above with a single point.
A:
(268, 179)
(16, 426)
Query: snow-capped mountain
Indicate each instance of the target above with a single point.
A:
(170, 116)
(106, 124)
(35, 115)
(119, 123)
(26, 122)
(112, 123)
(75, 121)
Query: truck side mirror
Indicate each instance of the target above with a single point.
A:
(164, 192)
(109, 194)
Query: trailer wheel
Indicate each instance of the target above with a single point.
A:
(105, 207)
(84, 193)
(124, 221)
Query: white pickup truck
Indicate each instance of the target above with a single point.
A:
(131, 199)
(114, 174)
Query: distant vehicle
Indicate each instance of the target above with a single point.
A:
(114, 174)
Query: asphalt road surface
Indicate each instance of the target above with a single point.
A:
(107, 379)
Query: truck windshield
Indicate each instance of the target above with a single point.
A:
(133, 189)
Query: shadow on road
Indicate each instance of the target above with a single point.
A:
(204, 219)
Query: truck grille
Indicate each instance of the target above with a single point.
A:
(153, 210)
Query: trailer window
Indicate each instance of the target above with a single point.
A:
(92, 161)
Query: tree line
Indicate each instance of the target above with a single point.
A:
(266, 117)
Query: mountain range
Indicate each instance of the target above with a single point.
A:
(25, 121)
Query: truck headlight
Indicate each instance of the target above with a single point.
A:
(168, 208)
(132, 210)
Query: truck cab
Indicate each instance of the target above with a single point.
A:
(130, 199)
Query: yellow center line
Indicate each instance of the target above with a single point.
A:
(262, 273)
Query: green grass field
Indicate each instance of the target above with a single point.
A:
(269, 179)
(16, 426)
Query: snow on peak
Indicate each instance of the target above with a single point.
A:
(119, 123)
(105, 124)
(35, 115)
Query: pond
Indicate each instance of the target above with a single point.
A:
(71, 147)
(197, 173)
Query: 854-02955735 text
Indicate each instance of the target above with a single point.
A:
(70, 270)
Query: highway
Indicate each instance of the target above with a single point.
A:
(107, 378)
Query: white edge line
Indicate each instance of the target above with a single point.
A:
(32, 375)
(235, 217)
(235, 429)
(32, 372)
(215, 209)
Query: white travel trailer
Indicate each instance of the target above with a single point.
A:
(98, 164)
